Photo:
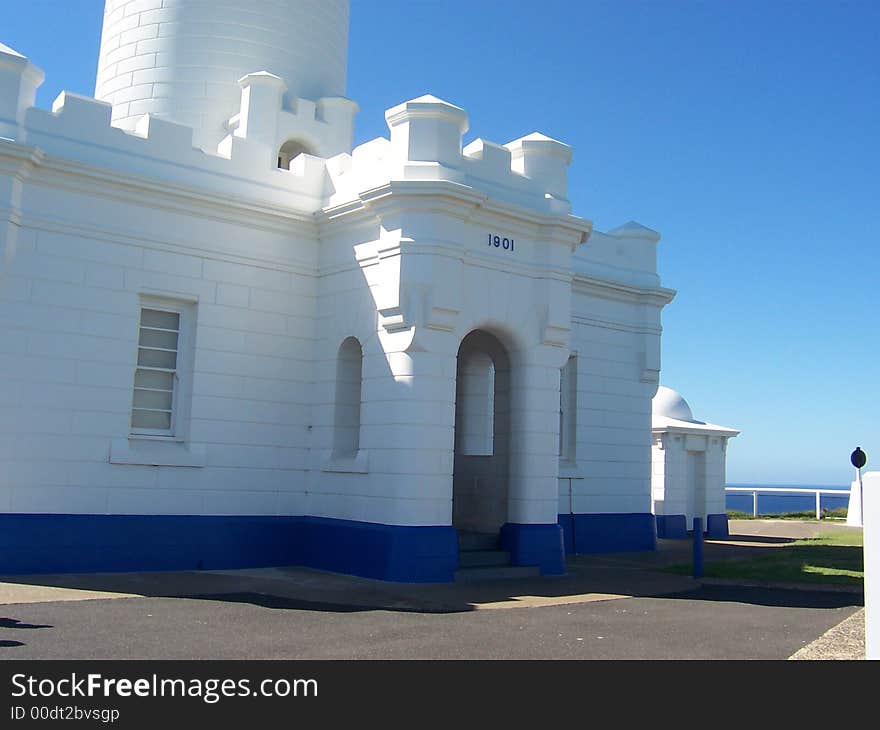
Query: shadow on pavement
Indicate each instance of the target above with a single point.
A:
(14, 623)
(280, 602)
(770, 596)
(759, 539)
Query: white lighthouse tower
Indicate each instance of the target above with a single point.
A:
(187, 60)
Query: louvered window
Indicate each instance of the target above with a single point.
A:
(156, 377)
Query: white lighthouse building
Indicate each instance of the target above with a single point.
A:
(228, 338)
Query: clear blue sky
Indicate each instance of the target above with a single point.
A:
(745, 132)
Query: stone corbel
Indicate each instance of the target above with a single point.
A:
(650, 376)
(392, 320)
(441, 318)
(555, 335)
(649, 361)
(440, 310)
(380, 262)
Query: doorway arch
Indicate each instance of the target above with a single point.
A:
(290, 150)
(481, 466)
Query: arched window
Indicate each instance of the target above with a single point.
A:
(290, 149)
(347, 416)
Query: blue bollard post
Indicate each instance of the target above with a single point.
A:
(698, 547)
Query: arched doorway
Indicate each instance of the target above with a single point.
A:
(482, 434)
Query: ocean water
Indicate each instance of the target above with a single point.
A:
(773, 503)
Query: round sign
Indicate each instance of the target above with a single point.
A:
(858, 458)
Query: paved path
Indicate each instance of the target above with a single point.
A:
(607, 607)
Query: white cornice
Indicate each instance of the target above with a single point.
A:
(696, 430)
(81, 177)
(127, 238)
(593, 285)
(460, 201)
(31, 164)
(641, 329)
(452, 250)
(18, 160)
(441, 196)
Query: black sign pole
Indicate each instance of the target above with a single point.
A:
(858, 459)
(861, 497)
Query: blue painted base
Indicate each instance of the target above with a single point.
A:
(609, 533)
(672, 527)
(535, 545)
(717, 526)
(388, 552)
(44, 543)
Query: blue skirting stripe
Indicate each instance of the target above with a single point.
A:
(672, 527)
(387, 552)
(46, 543)
(609, 533)
(535, 545)
(717, 526)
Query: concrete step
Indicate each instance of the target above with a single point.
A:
(468, 541)
(474, 575)
(483, 558)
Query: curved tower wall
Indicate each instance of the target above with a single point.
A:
(182, 59)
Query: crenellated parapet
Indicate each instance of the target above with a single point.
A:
(627, 254)
(78, 129)
(542, 159)
(260, 136)
(323, 128)
(286, 149)
(156, 150)
(181, 60)
(425, 143)
(320, 170)
(19, 81)
(426, 138)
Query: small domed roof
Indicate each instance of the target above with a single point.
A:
(671, 404)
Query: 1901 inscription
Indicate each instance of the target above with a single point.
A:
(499, 242)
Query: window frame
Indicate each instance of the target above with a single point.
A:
(568, 408)
(182, 373)
(346, 435)
(475, 425)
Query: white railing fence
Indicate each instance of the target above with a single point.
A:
(755, 491)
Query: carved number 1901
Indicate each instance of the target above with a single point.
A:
(498, 242)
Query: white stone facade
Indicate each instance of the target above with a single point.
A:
(189, 329)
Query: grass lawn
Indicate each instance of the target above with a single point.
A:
(830, 558)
